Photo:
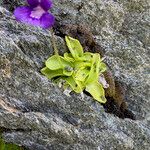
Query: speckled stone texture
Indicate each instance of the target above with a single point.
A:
(36, 113)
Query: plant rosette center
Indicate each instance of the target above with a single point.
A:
(80, 71)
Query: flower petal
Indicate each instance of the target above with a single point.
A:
(47, 20)
(22, 13)
(33, 3)
(46, 4)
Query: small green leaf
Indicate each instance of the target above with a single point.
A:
(97, 91)
(81, 74)
(74, 84)
(68, 57)
(81, 64)
(74, 47)
(68, 71)
(51, 73)
(57, 62)
(102, 67)
(87, 56)
(94, 72)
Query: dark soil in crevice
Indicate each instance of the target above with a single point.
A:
(111, 107)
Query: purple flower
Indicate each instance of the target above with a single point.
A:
(36, 13)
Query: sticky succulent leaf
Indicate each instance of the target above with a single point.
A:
(74, 47)
(102, 67)
(57, 62)
(81, 74)
(97, 91)
(68, 71)
(74, 84)
(94, 72)
(68, 57)
(87, 56)
(52, 73)
(81, 64)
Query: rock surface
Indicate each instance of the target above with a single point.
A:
(39, 116)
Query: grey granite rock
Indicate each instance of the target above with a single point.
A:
(39, 116)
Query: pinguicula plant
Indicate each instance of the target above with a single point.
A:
(79, 70)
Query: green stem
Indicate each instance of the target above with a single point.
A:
(55, 47)
(54, 43)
